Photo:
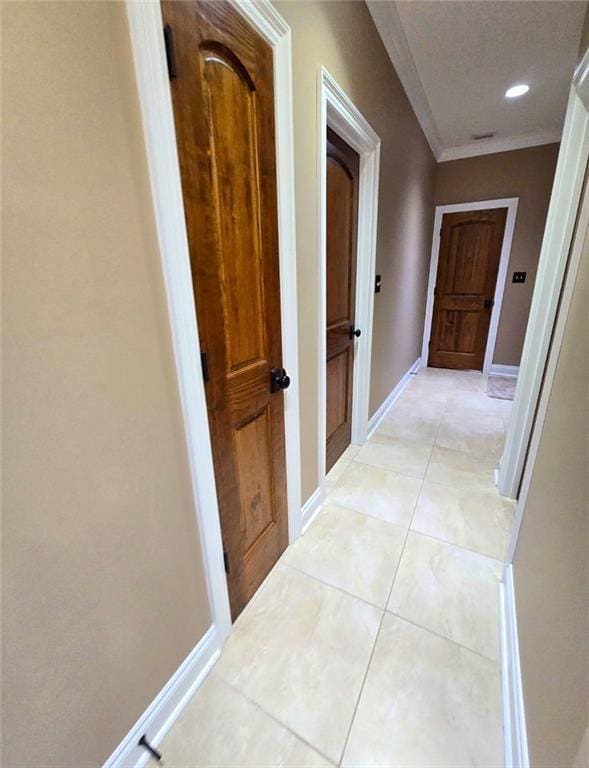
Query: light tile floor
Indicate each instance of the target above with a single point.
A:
(374, 641)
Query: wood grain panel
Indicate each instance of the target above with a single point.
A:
(470, 251)
(337, 391)
(231, 100)
(256, 490)
(342, 170)
(340, 233)
(223, 102)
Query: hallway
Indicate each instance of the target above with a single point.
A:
(375, 641)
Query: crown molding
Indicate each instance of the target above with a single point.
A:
(390, 28)
(491, 146)
(388, 23)
(581, 79)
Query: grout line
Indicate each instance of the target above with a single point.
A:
(408, 530)
(346, 740)
(341, 505)
(442, 637)
(361, 691)
(389, 469)
(389, 596)
(445, 485)
(333, 586)
(459, 546)
(281, 563)
(276, 720)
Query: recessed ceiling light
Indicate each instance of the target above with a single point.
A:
(517, 90)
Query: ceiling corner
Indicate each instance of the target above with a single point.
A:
(388, 23)
(492, 146)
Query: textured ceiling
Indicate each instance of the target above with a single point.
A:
(467, 54)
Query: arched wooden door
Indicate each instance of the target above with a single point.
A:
(223, 99)
(343, 172)
(470, 252)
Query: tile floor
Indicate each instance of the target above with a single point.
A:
(374, 641)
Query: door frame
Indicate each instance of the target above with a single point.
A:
(336, 110)
(480, 205)
(549, 297)
(149, 56)
(560, 256)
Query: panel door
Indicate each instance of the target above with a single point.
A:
(343, 168)
(224, 116)
(470, 251)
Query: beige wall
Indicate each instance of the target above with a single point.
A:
(524, 173)
(343, 38)
(551, 563)
(103, 588)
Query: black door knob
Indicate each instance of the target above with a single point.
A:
(279, 380)
(355, 332)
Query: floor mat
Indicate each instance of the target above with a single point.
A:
(501, 387)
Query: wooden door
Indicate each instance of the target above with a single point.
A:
(224, 115)
(470, 251)
(343, 170)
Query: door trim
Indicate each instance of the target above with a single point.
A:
(515, 740)
(145, 24)
(337, 111)
(548, 373)
(480, 205)
(550, 293)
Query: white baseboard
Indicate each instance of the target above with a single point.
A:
(165, 709)
(311, 508)
(514, 718)
(510, 371)
(374, 421)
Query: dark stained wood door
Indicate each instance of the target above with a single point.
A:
(343, 169)
(224, 115)
(470, 251)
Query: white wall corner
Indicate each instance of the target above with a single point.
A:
(165, 709)
(514, 718)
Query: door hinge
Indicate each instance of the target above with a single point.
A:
(204, 362)
(170, 56)
(226, 561)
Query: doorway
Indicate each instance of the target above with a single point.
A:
(224, 114)
(338, 113)
(343, 176)
(471, 247)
